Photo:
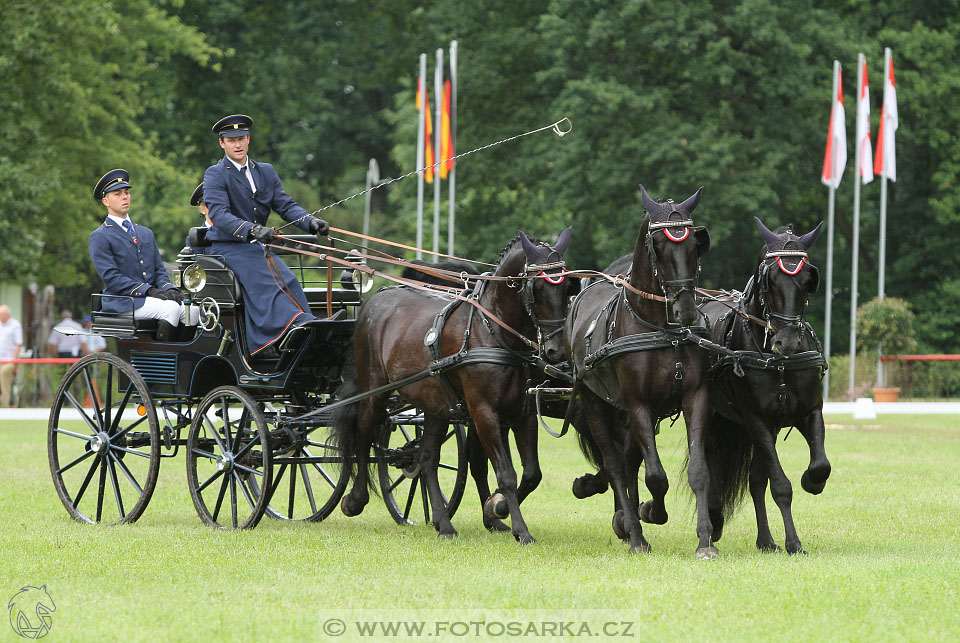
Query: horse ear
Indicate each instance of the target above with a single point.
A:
(810, 238)
(563, 241)
(528, 248)
(691, 203)
(770, 239)
(649, 204)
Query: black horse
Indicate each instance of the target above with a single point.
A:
(773, 382)
(395, 332)
(631, 352)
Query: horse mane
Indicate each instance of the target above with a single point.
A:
(513, 242)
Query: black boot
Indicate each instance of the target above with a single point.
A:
(165, 331)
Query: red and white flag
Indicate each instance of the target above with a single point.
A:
(885, 162)
(835, 156)
(864, 145)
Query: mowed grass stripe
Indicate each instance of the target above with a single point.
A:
(883, 563)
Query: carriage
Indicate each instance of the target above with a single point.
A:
(253, 428)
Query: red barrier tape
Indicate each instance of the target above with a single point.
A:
(919, 358)
(41, 360)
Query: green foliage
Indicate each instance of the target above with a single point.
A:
(886, 323)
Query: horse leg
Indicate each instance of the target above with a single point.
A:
(758, 491)
(478, 469)
(626, 524)
(696, 407)
(782, 492)
(527, 439)
(491, 437)
(815, 477)
(434, 430)
(641, 423)
(369, 417)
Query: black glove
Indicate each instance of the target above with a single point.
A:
(319, 227)
(174, 295)
(263, 234)
(157, 293)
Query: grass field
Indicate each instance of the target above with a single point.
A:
(884, 559)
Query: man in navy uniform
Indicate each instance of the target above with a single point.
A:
(240, 194)
(127, 258)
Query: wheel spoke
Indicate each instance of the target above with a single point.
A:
(246, 494)
(128, 474)
(103, 483)
(225, 413)
(452, 433)
(448, 467)
(248, 469)
(122, 432)
(223, 490)
(293, 491)
(205, 454)
(83, 457)
(249, 445)
(410, 496)
(308, 487)
(94, 402)
(116, 487)
(83, 412)
(121, 407)
(425, 499)
(324, 474)
(126, 450)
(215, 434)
(209, 480)
(276, 483)
(86, 438)
(108, 397)
(406, 435)
(86, 480)
(233, 501)
(396, 484)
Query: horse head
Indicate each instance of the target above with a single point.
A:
(673, 254)
(545, 288)
(784, 281)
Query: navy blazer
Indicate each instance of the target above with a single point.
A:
(234, 208)
(127, 268)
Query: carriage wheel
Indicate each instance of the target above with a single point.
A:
(103, 430)
(398, 469)
(308, 480)
(228, 446)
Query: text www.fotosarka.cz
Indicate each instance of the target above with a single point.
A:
(351, 624)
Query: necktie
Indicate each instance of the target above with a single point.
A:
(129, 228)
(246, 177)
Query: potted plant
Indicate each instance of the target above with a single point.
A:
(885, 325)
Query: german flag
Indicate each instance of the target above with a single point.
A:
(428, 132)
(446, 136)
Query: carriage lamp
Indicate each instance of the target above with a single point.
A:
(194, 278)
(177, 278)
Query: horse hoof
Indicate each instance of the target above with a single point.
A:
(586, 486)
(811, 487)
(642, 548)
(447, 535)
(495, 507)
(618, 527)
(707, 553)
(800, 551)
(525, 539)
(495, 526)
(348, 508)
(648, 515)
(768, 548)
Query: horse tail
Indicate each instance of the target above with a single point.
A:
(588, 446)
(344, 422)
(729, 453)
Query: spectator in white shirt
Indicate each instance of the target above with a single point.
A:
(11, 339)
(66, 344)
(92, 343)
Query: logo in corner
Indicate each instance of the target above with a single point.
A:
(30, 610)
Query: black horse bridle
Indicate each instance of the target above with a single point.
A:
(532, 272)
(677, 285)
(764, 269)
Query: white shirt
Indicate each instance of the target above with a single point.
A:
(94, 343)
(11, 336)
(120, 221)
(246, 164)
(67, 343)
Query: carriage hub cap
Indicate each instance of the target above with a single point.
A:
(100, 443)
(225, 462)
(411, 470)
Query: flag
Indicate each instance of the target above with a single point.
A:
(835, 157)
(446, 136)
(428, 133)
(885, 162)
(864, 145)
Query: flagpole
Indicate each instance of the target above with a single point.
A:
(421, 128)
(437, 146)
(830, 210)
(452, 171)
(883, 215)
(861, 60)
